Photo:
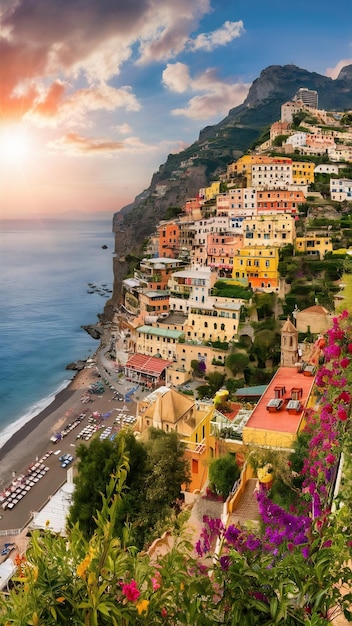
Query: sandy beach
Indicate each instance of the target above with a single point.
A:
(31, 442)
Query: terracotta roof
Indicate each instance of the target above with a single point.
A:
(282, 421)
(170, 407)
(147, 364)
(316, 308)
(288, 327)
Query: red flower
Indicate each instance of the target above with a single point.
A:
(163, 612)
(131, 591)
(344, 397)
(341, 414)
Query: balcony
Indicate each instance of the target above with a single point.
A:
(179, 294)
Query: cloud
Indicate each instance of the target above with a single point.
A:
(51, 106)
(216, 96)
(47, 40)
(333, 72)
(176, 77)
(168, 28)
(75, 145)
(219, 37)
(123, 129)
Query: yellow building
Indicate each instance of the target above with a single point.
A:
(302, 173)
(153, 341)
(216, 320)
(170, 410)
(212, 191)
(314, 244)
(181, 371)
(271, 230)
(257, 267)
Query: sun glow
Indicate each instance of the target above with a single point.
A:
(14, 145)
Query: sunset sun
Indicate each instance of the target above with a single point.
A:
(14, 145)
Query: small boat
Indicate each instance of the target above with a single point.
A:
(90, 291)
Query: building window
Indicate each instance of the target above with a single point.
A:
(194, 466)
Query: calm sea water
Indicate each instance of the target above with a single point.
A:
(45, 268)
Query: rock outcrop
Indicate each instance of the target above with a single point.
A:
(94, 330)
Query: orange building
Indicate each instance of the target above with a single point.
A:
(169, 234)
(279, 415)
(280, 200)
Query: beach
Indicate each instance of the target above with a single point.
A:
(32, 442)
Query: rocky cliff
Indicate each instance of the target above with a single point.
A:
(216, 147)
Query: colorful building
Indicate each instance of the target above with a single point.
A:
(155, 341)
(169, 233)
(314, 244)
(216, 319)
(279, 415)
(221, 250)
(279, 200)
(272, 230)
(155, 273)
(274, 173)
(302, 173)
(257, 267)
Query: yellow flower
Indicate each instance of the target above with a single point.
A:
(82, 567)
(142, 606)
(182, 586)
(34, 573)
(35, 619)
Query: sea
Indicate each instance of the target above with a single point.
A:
(45, 270)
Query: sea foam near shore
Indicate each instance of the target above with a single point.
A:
(37, 408)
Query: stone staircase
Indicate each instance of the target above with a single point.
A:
(247, 509)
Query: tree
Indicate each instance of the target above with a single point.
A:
(279, 140)
(263, 345)
(167, 471)
(195, 367)
(96, 464)
(237, 362)
(215, 382)
(223, 473)
(264, 303)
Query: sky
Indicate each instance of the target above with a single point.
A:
(94, 94)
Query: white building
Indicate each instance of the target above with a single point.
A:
(297, 140)
(190, 286)
(309, 97)
(341, 189)
(326, 168)
(272, 175)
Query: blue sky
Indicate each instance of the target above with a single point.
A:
(96, 94)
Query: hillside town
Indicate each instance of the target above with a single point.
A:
(191, 308)
(219, 342)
